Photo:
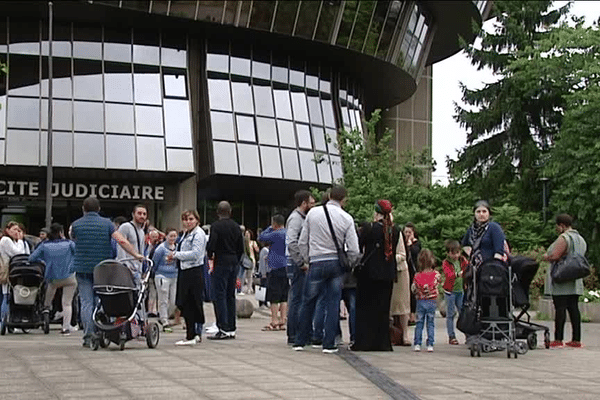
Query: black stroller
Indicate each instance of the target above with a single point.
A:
(524, 270)
(27, 288)
(121, 316)
(492, 292)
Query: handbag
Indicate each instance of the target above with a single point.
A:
(261, 293)
(3, 271)
(360, 266)
(247, 262)
(571, 267)
(342, 255)
(468, 319)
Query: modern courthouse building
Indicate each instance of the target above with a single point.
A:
(180, 104)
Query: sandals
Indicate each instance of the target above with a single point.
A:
(453, 341)
(271, 327)
(281, 326)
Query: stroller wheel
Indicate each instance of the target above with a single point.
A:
(532, 340)
(479, 350)
(46, 323)
(152, 334)
(3, 327)
(103, 340)
(121, 344)
(547, 339)
(26, 330)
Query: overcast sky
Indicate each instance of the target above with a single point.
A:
(448, 136)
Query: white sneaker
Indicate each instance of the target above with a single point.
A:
(192, 342)
(212, 329)
(330, 351)
(430, 349)
(417, 348)
(298, 348)
(231, 334)
(74, 328)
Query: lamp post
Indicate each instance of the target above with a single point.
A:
(49, 175)
(544, 196)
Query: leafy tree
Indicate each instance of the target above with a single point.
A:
(510, 122)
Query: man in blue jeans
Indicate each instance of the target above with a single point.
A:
(92, 235)
(296, 267)
(325, 274)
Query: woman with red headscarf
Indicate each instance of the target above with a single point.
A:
(378, 241)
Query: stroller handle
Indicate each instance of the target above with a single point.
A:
(146, 259)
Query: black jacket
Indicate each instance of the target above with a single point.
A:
(376, 266)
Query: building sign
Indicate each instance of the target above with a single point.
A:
(83, 190)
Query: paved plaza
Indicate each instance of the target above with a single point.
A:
(259, 365)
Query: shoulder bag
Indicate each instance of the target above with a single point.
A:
(571, 267)
(342, 255)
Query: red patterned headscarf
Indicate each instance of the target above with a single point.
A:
(384, 207)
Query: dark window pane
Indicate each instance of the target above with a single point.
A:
(264, 100)
(249, 161)
(230, 12)
(262, 15)
(327, 19)
(245, 128)
(225, 158)
(361, 26)
(146, 47)
(283, 107)
(23, 113)
(303, 132)
(27, 81)
(286, 134)
(309, 10)
(187, 9)
(118, 84)
(87, 42)
(222, 126)
(242, 97)
(147, 87)
(291, 167)
(299, 104)
(24, 37)
(309, 167)
(61, 40)
(379, 17)
(119, 118)
(245, 13)
(173, 51)
(178, 131)
(219, 94)
(286, 16)
(271, 162)
(89, 116)
(348, 16)
(175, 85)
(267, 131)
(389, 28)
(148, 120)
(61, 81)
(318, 135)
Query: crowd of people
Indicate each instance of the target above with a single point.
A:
(310, 264)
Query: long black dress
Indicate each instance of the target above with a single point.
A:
(374, 291)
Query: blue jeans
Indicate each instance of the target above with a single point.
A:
(324, 277)
(349, 297)
(223, 283)
(297, 280)
(87, 301)
(4, 307)
(318, 324)
(454, 301)
(425, 314)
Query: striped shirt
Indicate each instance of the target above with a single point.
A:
(92, 235)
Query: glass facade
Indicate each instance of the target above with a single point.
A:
(376, 28)
(273, 116)
(120, 97)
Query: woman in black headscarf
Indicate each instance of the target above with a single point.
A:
(378, 241)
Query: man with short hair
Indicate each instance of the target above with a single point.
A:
(296, 267)
(134, 232)
(325, 273)
(92, 235)
(224, 249)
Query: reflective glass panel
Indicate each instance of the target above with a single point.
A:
(117, 52)
(150, 154)
(283, 107)
(262, 15)
(242, 97)
(217, 62)
(291, 166)
(119, 118)
(120, 152)
(225, 158)
(2, 117)
(89, 150)
(328, 113)
(23, 113)
(299, 104)
(245, 128)
(22, 147)
(309, 10)
(177, 123)
(267, 131)
(175, 85)
(62, 115)
(173, 57)
(2, 152)
(318, 135)
(88, 116)
(280, 74)
(61, 82)
(359, 33)
(147, 88)
(336, 168)
(314, 106)
(222, 125)
(347, 22)
(219, 94)
(285, 16)
(62, 148)
(312, 82)
(389, 28)
(143, 54)
(180, 160)
(148, 120)
(309, 168)
(264, 100)
(297, 78)
(329, 12)
(331, 136)
(87, 50)
(286, 133)
(87, 80)
(261, 70)
(26, 82)
(249, 161)
(118, 87)
(303, 132)
(271, 162)
(240, 66)
(324, 168)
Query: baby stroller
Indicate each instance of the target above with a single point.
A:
(120, 315)
(492, 293)
(26, 296)
(524, 270)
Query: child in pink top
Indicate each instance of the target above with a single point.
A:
(425, 288)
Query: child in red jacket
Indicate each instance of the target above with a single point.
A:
(454, 266)
(425, 287)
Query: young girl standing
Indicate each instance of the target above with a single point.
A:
(425, 288)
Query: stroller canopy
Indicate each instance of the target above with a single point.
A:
(114, 274)
(23, 272)
(493, 279)
(524, 270)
